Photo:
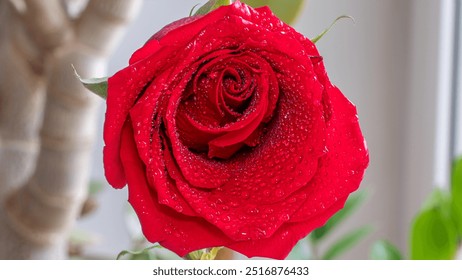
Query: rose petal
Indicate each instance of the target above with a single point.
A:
(146, 120)
(160, 223)
(345, 163)
(279, 245)
(144, 52)
(123, 90)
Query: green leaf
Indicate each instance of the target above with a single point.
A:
(195, 255)
(384, 250)
(287, 10)
(210, 6)
(138, 255)
(204, 254)
(439, 198)
(457, 174)
(346, 242)
(211, 254)
(433, 235)
(192, 9)
(96, 85)
(352, 203)
(317, 38)
(456, 192)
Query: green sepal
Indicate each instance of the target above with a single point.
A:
(138, 255)
(384, 250)
(96, 85)
(317, 38)
(204, 254)
(195, 255)
(210, 6)
(192, 10)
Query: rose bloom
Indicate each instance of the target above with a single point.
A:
(228, 132)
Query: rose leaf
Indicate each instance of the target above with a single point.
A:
(96, 85)
(433, 235)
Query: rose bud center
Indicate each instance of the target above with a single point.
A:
(237, 100)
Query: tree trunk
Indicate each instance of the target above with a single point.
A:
(47, 119)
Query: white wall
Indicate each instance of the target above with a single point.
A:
(386, 63)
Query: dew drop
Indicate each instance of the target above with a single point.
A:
(252, 211)
(261, 232)
(279, 193)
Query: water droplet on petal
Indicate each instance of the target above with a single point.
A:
(279, 193)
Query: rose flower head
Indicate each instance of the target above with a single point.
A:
(228, 132)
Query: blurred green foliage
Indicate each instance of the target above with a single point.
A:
(310, 249)
(435, 232)
(384, 250)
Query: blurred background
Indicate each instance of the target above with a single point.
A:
(399, 63)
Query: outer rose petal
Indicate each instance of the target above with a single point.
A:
(146, 132)
(279, 245)
(345, 164)
(160, 223)
(123, 90)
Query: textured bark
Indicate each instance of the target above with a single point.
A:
(47, 119)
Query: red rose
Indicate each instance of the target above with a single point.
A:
(228, 132)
